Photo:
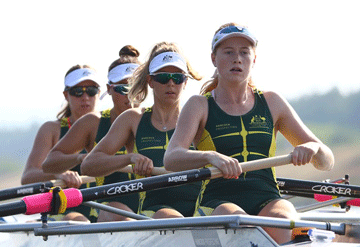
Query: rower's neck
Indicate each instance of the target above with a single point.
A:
(165, 118)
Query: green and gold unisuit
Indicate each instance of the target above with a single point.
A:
(132, 200)
(153, 143)
(246, 137)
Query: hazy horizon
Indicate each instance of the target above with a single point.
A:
(304, 46)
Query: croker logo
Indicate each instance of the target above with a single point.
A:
(332, 189)
(86, 73)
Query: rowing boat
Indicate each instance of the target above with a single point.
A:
(196, 231)
(232, 230)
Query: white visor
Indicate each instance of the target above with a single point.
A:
(233, 31)
(121, 72)
(79, 75)
(168, 59)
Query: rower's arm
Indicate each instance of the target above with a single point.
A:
(188, 129)
(305, 143)
(45, 139)
(66, 153)
(102, 161)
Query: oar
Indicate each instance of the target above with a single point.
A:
(314, 187)
(322, 191)
(42, 202)
(30, 189)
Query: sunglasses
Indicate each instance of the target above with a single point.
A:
(79, 91)
(164, 78)
(120, 88)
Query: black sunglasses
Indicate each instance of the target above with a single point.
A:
(79, 91)
(120, 88)
(164, 78)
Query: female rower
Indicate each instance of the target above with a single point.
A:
(91, 128)
(81, 94)
(166, 72)
(234, 122)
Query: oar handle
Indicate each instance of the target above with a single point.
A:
(266, 163)
(156, 170)
(257, 164)
(62, 184)
(127, 169)
(215, 172)
(246, 166)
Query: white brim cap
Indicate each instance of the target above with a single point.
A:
(80, 75)
(168, 59)
(121, 72)
(233, 31)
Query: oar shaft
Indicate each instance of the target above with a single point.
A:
(12, 208)
(145, 184)
(315, 187)
(42, 202)
(35, 188)
(297, 193)
(24, 190)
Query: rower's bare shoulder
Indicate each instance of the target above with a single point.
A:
(197, 99)
(49, 131)
(130, 117)
(195, 111)
(92, 115)
(273, 96)
(50, 127)
(275, 100)
(196, 103)
(133, 113)
(92, 118)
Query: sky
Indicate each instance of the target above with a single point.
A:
(304, 46)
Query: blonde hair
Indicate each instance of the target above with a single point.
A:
(139, 86)
(211, 84)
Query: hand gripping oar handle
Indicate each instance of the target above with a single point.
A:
(257, 164)
(246, 166)
(41, 202)
(156, 170)
(62, 184)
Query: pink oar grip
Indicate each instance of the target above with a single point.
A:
(354, 202)
(323, 198)
(41, 203)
